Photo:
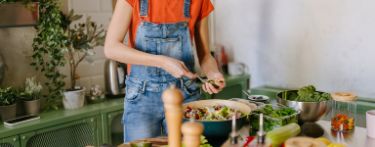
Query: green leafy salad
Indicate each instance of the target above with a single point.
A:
(306, 94)
(274, 116)
(217, 112)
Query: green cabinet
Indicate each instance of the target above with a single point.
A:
(113, 131)
(77, 133)
(12, 141)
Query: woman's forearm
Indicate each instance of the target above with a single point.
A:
(119, 52)
(209, 65)
(207, 62)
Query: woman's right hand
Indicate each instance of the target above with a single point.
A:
(175, 67)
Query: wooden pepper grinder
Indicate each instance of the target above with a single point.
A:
(192, 133)
(172, 98)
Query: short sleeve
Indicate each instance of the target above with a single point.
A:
(131, 2)
(206, 9)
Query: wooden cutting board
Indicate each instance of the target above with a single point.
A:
(156, 142)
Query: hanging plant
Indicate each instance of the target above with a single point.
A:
(48, 55)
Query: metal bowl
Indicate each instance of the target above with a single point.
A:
(308, 111)
(220, 128)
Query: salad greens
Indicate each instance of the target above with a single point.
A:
(306, 94)
(217, 112)
(274, 116)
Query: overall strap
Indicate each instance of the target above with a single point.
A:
(143, 7)
(187, 4)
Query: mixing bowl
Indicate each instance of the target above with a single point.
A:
(309, 111)
(220, 128)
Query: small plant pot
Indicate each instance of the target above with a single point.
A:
(8, 112)
(32, 107)
(74, 99)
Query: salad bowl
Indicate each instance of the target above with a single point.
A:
(220, 128)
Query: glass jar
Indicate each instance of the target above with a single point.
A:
(344, 110)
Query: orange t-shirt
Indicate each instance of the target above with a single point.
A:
(168, 11)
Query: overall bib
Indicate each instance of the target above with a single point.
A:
(143, 107)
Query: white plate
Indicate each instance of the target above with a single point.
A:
(258, 98)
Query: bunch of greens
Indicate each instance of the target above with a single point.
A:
(273, 117)
(306, 94)
(8, 96)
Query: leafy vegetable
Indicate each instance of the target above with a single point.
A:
(273, 117)
(306, 94)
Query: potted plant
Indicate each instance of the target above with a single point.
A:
(81, 40)
(8, 98)
(31, 96)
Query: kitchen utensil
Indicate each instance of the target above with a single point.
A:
(203, 80)
(308, 111)
(115, 74)
(216, 128)
(246, 93)
(172, 98)
(236, 68)
(370, 123)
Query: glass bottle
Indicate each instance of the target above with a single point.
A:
(344, 109)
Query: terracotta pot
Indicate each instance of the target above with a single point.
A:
(74, 99)
(32, 107)
(8, 112)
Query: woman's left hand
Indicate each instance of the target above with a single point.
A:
(215, 83)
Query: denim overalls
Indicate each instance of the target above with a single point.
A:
(143, 106)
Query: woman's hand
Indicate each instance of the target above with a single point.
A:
(215, 84)
(175, 67)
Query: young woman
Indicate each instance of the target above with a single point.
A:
(161, 34)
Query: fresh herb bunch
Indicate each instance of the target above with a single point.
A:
(82, 38)
(32, 90)
(306, 94)
(273, 117)
(8, 96)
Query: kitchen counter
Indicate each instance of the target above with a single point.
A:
(358, 138)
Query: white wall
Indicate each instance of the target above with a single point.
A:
(292, 43)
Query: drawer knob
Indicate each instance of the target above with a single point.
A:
(23, 137)
(14, 139)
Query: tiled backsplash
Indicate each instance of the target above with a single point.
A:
(15, 46)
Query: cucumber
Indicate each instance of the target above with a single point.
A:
(279, 135)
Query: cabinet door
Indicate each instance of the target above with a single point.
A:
(113, 128)
(77, 133)
(10, 142)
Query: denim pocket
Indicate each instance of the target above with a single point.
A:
(132, 91)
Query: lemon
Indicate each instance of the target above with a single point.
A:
(336, 145)
(324, 140)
